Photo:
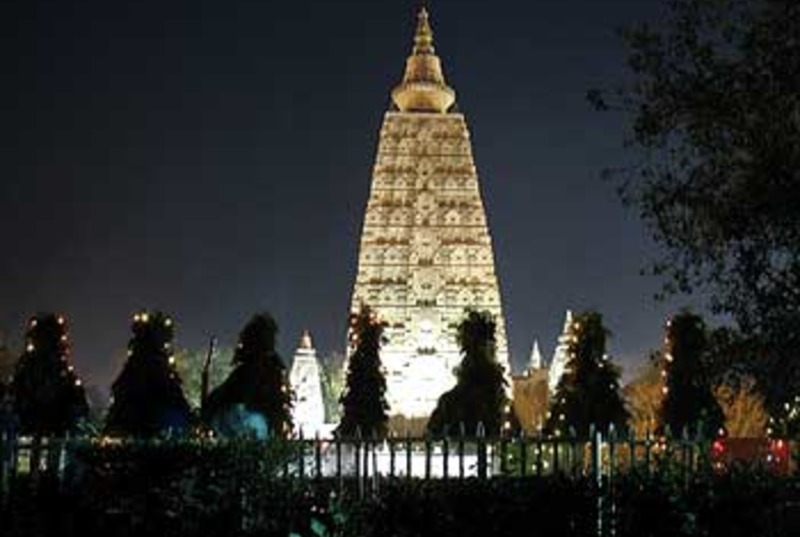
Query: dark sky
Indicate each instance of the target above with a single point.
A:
(212, 158)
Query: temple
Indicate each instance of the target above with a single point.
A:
(426, 253)
(308, 412)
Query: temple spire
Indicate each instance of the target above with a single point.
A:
(423, 40)
(535, 362)
(423, 88)
(305, 340)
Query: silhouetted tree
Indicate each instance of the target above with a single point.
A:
(689, 400)
(364, 406)
(479, 395)
(48, 396)
(588, 392)
(713, 112)
(147, 398)
(256, 398)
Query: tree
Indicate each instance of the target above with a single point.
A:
(364, 406)
(479, 396)
(744, 410)
(530, 400)
(688, 401)
(190, 362)
(588, 392)
(48, 395)
(643, 395)
(715, 117)
(256, 398)
(147, 398)
(332, 378)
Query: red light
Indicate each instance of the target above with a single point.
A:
(718, 447)
(779, 447)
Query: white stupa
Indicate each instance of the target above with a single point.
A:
(309, 410)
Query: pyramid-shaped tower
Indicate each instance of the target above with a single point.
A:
(425, 253)
(558, 365)
(308, 412)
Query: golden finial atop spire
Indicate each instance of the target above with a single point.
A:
(423, 40)
(423, 88)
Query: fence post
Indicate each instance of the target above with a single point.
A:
(369, 445)
(555, 455)
(427, 457)
(375, 475)
(462, 432)
(539, 454)
(612, 449)
(318, 455)
(338, 440)
(408, 455)
(445, 454)
(480, 433)
(612, 457)
(685, 457)
(503, 455)
(357, 462)
(572, 448)
(597, 474)
(301, 467)
(391, 454)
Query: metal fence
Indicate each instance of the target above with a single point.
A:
(460, 457)
(363, 466)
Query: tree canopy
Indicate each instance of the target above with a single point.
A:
(256, 396)
(48, 395)
(364, 407)
(714, 110)
(190, 362)
(689, 402)
(588, 392)
(479, 396)
(147, 399)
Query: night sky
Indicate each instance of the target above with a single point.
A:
(212, 158)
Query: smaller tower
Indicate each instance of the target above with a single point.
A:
(536, 357)
(561, 355)
(309, 409)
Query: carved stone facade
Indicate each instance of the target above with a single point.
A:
(308, 412)
(426, 253)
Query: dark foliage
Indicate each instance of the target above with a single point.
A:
(258, 382)
(147, 398)
(479, 396)
(714, 114)
(364, 407)
(588, 392)
(49, 399)
(689, 402)
(186, 489)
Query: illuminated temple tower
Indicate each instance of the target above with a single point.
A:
(426, 253)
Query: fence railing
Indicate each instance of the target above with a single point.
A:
(460, 457)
